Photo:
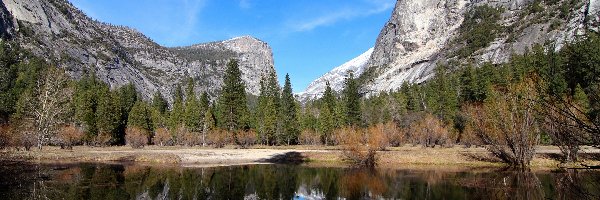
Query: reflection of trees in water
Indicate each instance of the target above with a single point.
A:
(506, 185)
(90, 181)
(362, 184)
(577, 184)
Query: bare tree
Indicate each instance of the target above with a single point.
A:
(564, 132)
(506, 123)
(46, 106)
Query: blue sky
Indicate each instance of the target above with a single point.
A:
(308, 37)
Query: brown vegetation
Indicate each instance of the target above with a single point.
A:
(395, 135)
(162, 137)
(246, 138)
(506, 124)
(376, 136)
(564, 132)
(360, 146)
(102, 139)
(69, 135)
(219, 138)
(136, 137)
(5, 137)
(310, 137)
(429, 131)
(184, 137)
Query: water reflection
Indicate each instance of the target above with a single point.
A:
(103, 181)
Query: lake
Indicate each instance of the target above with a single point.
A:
(20, 180)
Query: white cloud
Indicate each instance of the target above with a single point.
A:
(375, 7)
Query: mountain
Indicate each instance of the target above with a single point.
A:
(64, 36)
(335, 77)
(423, 34)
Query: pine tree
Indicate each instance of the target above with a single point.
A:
(267, 112)
(208, 123)
(159, 103)
(232, 102)
(327, 122)
(108, 115)
(352, 101)
(290, 117)
(127, 98)
(193, 111)
(85, 105)
(140, 116)
(177, 112)
(204, 102)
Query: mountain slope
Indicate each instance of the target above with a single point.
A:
(424, 33)
(335, 77)
(60, 33)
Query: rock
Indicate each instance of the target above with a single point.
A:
(58, 32)
(421, 34)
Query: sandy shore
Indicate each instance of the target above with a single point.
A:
(547, 157)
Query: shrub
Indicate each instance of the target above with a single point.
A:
(506, 123)
(246, 138)
(394, 134)
(185, 137)
(429, 131)
(309, 137)
(102, 139)
(5, 137)
(356, 149)
(26, 139)
(162, 137)
(136, 137)
(219, 138)
(377, 138)
(69, 135)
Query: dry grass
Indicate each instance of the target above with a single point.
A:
(406, 157)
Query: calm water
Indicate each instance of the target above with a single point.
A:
(104, 181)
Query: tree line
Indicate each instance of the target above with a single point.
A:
(42, 106)
(543, 96)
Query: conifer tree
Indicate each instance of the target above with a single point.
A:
(159, 103)
(232, 102)
(267, 112)
(352, 101)
(193, 111)
(177, 112)
(208, 123)
(204, 102)
(108, 115)
(140, 116)
(85, 105)
(291, 125)
(127, 98)
(327, 122)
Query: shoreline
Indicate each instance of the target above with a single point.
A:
(413, 157)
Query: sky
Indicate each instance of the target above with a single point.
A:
(308, 37)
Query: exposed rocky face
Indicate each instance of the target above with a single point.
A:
(64, 36)
(423, 33)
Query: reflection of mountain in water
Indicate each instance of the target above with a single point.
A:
(100, 181)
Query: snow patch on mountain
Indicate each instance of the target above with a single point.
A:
(335, 77)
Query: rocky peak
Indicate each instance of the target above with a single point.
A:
(423, 33)
(60, 33)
